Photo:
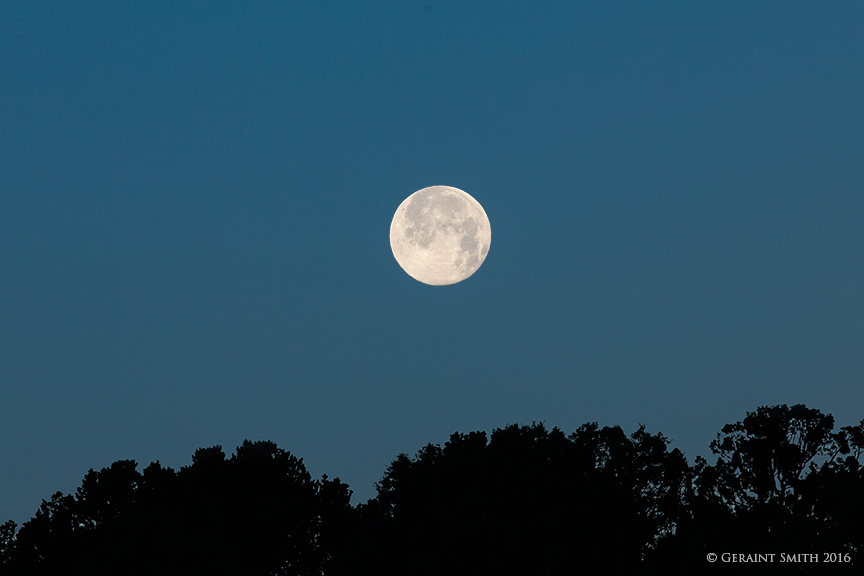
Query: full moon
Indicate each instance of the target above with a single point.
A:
(440, 235)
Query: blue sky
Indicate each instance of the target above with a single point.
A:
(195, 201)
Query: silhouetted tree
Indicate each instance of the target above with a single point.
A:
(258, 512)
(526, 500)
(7, 540)
(770, 490)
(530, 501)
(833, 494)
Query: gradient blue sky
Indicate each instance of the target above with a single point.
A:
(195, 201)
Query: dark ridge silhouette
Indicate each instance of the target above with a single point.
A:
(523, 500)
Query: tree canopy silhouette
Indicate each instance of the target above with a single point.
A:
(528, 501)
(783, 481)
(258, 512)
(522, 500)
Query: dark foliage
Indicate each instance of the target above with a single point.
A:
(524, 500)
(528, 501)
(783, 482)
(258, 512)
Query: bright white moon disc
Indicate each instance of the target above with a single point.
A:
(440, 235)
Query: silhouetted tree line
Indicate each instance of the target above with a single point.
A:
(524, 501)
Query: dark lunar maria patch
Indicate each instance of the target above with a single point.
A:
(468, 243)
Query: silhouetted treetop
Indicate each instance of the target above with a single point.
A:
(258, 512)
(527, 501)
(773, 488)
(522, 500)
(763, 458)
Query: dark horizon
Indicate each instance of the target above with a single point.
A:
(786, 488)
